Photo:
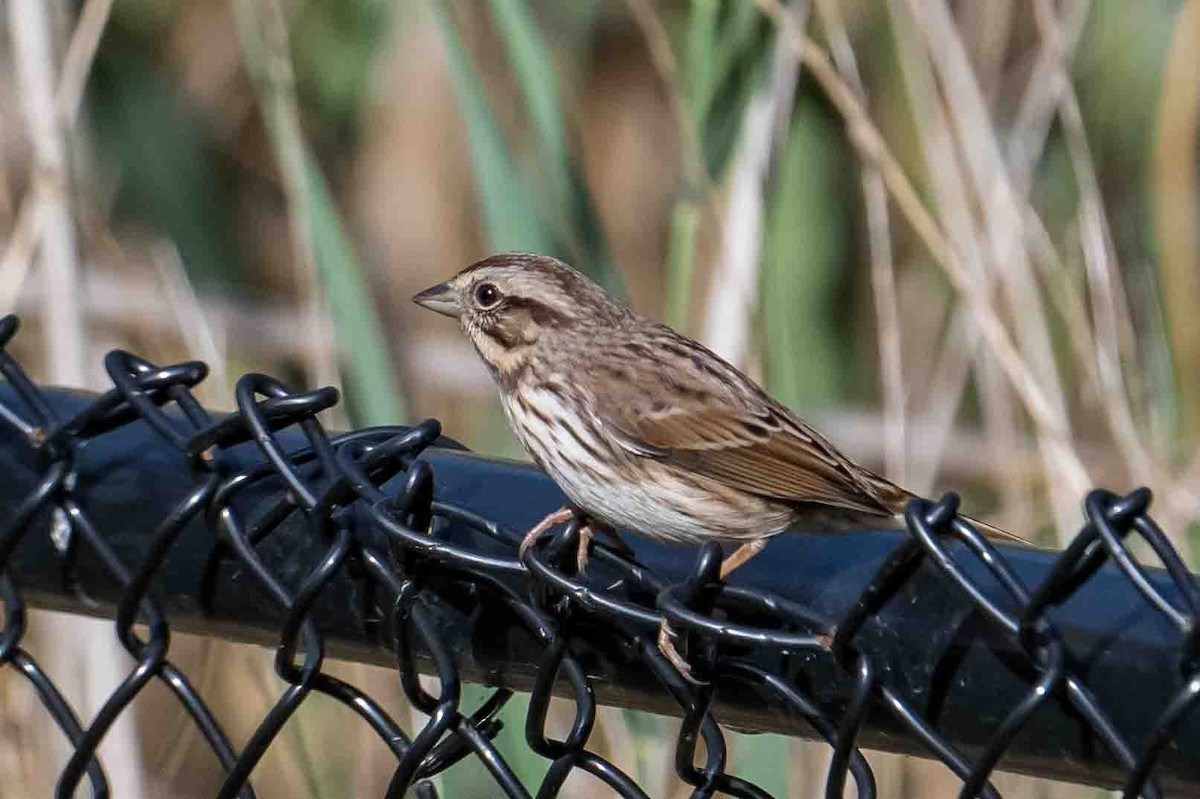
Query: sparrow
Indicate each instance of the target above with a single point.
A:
(647, 430)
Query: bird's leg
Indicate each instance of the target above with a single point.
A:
(563, 514)
(593, 528)
(741, 555)
(585, 539)
(666, 645)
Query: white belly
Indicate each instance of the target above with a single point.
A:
(640, 495)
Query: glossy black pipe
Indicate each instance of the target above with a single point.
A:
(926, 644)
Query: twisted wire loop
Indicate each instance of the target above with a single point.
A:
(372, 515)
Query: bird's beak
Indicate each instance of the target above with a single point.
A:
(441, 298)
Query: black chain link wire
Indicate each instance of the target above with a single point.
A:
(398, 557)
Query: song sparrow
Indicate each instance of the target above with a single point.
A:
(645, 429)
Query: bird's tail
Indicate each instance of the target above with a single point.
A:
(996, 534)
(895, 498)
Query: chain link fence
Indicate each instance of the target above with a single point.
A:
(392, 544)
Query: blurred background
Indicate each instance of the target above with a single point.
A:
(961, 237)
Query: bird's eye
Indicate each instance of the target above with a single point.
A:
(487, 295)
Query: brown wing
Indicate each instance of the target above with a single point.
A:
(679, 403)
(760, 454)
(719, 424)
(771, 454)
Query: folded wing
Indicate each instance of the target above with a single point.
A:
(729, 430)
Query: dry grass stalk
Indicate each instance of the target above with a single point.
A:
(733, 285)
(1176, 185)
(960, 350)
(871, 146)
(264, 331)
(1068, 302)
(45, 186)
(72, 641)
(1103, 274)
(81, 52)
(957, 195)
(1003, 240)
(883, 274)
(35, 70)
(198, 333)
(1114, 336)
(1026, 138)
(22, 243)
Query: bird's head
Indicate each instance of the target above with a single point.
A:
(508, 304)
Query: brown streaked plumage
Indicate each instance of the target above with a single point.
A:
(644, 428)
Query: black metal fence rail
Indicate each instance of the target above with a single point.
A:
(392, 545)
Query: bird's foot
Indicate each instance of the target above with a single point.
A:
(666, 645)
(741, 555)
(585, 541)
(590, 530)
(563, 514)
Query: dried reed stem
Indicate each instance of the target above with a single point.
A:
(197, 332)
(31, 215)
(1113, 321)
(22, 244)
(872, 147)
(1176, 182)
(883, 274)
(955, 200)
(1026, 138)
(33, 55)
(658, 43)
(733, 286)
(81, 52)
(83, 650)
(1097, 251)
(1001, 223)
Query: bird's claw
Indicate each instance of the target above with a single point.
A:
(581, 554)
(563, 514)
(666, 645)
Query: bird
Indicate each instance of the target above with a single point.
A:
(645, 429)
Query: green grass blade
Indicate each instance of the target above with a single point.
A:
(511, 221)
(713, 46)
(537, 79)
(698, 93)
(803, 256)
(681, 260)
(802, 259)
(562, 196)
(701, 56)
(373, 396)
(736, 36)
